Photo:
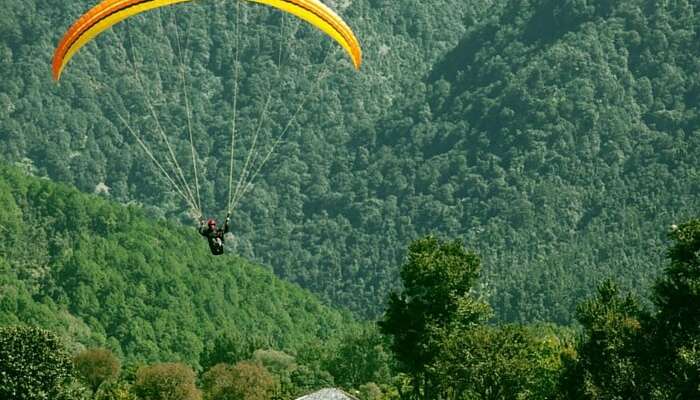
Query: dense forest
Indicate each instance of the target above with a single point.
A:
(104, 275)
(72, 131)
(501, 203)
(552, 137)
(561, 134)
(118, 295)
(88, 310)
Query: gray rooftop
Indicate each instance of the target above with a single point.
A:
(328, 394)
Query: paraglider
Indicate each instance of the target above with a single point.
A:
(110, 12)
(215, 236)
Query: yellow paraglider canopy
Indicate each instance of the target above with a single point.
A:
(110, 12)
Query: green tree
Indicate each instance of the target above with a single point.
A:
(34, 364)
(676, 327)
(370, 391)
(115, 390)
(231, 347)
(438, 279)
(509, 362)
(217, 382)
(361, 357)
(96, 366)
(167, 381)
(277, 362)
(246, 380)
(311, 373)
(281, 365)
(608, 364)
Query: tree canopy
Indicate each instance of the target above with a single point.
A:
(34, 364)
(106, 275)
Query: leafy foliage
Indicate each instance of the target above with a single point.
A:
(629, 352)
(361, 358)
(96, 366)
(105, 275)
(168, 381)
(609, 359)
(554, 138)
(34, 364)
(509, 362)
(244, 381)
(626, 349)
(437, 278)
(676, 333)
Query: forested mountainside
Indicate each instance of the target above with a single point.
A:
(102, 274)
(553, 137)
(72, 131)
(560, 136)
(442, 346)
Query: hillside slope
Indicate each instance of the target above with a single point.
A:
(548, 135)
(72, 132)
(560, 139)
(102, 273)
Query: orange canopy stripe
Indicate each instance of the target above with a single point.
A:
(110, 12)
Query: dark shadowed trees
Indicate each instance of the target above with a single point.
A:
(607, 365)
(438, 278)
(676, 334)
